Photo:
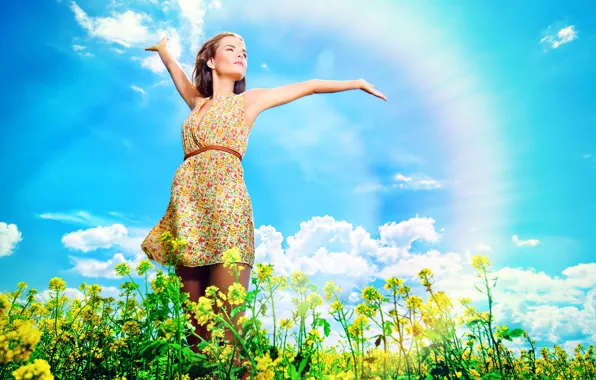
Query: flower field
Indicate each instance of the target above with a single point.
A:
(391, 334)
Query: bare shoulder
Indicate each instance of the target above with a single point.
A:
(251, 96)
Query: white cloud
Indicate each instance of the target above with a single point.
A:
(523, 243)
(215, 4)
(78, 47)
(327, 249)
(563, 36)
(137, 89)
(74, 293)
(582, 275)
(483, 248)
(10, 236)
(264, 66)
(418, 182)
(588, 155)
(127, 29)
(75, 217)
(153, 62)
(415, 182)
(94, 268)
(194, 13)
(95, 238)
(406, 232)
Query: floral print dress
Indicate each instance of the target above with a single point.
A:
(209, 204)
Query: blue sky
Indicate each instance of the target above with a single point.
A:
(486, 145)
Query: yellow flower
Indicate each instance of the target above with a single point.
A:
(4, 304)
(330, 289)
(231, 256)
(265, 368)
(236, 294)
(165, 237)
(425, 273)
(480, 262)
(465, 301)
(143, 267)
(285, 323)
(314, 299)
(211, 291)
(336, 306)
(364, 309)
(264, 272)
(414, 302)
(38, 370)
(18, 342)
(203, 310)
(299, 279)
(122, 269)
(393, 283)
(57, 284)
(371, 294)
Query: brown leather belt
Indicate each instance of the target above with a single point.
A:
(213, 147)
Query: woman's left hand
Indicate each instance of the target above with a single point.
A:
(365, 86)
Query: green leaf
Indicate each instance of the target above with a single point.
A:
(516, 333)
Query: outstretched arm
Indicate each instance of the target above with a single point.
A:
(261, 99)
(184, 86)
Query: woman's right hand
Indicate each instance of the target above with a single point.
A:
(160, 45)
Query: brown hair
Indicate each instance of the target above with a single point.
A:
(202, 74)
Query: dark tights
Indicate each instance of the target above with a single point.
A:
(196, 280)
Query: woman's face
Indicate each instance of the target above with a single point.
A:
(230, 58)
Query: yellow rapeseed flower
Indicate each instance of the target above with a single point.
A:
(414, 302)
(330, 290)
(264, 272)
(231, 256)
(314, 299)
(143, 267)
(480, 262)
(299, 279)
(371, 294)
(286, 323)
(122, 269)
(393, 283)
(336, 306)
(236, 294)
(57, 284)
(4, 304)
(38, 370)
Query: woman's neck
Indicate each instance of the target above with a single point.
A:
(222, 86)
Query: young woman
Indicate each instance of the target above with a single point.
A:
(209, 205)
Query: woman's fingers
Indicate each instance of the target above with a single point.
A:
(158, 45)
(371, 90)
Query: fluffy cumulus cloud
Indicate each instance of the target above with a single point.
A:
(133, 29)
(126, 29)
(10, 236)
(95, 268)
(95, 238)
(116, 236)
(552, 308)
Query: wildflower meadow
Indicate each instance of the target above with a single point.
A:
(390, 334)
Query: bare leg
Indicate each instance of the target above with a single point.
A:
(195, 281)
(222, 278)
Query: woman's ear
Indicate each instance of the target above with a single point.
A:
(210, 64)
